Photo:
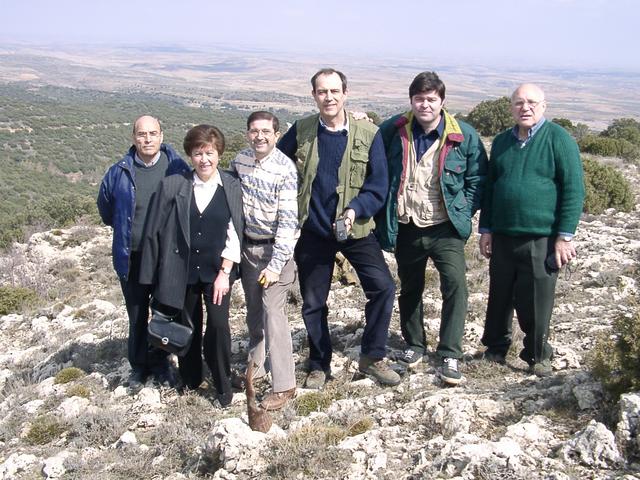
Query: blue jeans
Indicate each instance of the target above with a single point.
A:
(315, 257)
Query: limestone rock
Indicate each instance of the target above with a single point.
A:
(628, 427)
(593, 446)
(237, 447)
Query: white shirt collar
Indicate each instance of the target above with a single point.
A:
(344, 127)
(214, 181)
(153, 161)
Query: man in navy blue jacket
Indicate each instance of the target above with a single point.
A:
(123, 201)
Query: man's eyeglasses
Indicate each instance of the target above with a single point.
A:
(153, 134)
(265, 132)
(520, 104)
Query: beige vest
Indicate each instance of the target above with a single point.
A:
(420, 199)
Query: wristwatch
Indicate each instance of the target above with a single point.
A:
(566, 238)
(226, 270)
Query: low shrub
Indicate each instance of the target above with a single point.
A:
(16, 299)
(44, 429)
(615, 360)
(610, 147)
(312, 402)
(78, 391)
(605, 187)
(68, 374)
(307, 453)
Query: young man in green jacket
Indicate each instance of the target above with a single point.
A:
(436, 168)
(531, 207)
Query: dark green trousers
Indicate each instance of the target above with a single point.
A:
(444, 246)
(519, 279)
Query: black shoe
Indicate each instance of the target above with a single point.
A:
(137, 379)
(225, 399)
(494, 357)
(165, 378)
(409, 357)
(450, 372)
(237, 380)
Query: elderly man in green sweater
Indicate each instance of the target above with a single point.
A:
(530, 210)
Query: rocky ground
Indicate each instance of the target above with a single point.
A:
(500, 423)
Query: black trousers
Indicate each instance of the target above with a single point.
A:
(519, 279)
(141, 356)
(216, 343)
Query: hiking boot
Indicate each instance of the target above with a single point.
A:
(315, 379)
(542, 369)
(378, 369)
(409, 358)
(494, 357)
(277, 400)
(450, 373)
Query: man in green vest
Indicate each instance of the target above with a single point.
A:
(436, 168)
(530, 210)
(343, 181)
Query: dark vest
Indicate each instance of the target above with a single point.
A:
(208, 237)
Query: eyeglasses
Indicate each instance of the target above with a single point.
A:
(520, 104)
(201, 155)
(265, 132)
(153, 134)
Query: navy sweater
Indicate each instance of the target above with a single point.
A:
(324, 198)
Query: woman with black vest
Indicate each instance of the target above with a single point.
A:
(191, 252)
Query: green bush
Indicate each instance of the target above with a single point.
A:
(16, 299)
(615, 360)
(625, 129)
(605, 188)
(610, 147)
(577, 131)
(43, 430)
(78, 391)
(491, 116)
(68, 374)
(312, 402)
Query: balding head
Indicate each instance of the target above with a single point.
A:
(147, 120)
(147, 137)
(527, 106)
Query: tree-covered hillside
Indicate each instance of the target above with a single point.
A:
(56, 143)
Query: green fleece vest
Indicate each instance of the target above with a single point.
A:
(351, 174)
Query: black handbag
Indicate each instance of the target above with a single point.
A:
(167, 332)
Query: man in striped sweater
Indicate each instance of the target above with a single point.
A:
(269, 189)
(532, 202)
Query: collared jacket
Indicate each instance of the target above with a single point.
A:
(166, 245)
(462, 167)
(117, 200)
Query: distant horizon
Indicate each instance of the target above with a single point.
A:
(374, 58)
(573, 34)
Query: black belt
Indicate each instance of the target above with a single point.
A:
(259, 241)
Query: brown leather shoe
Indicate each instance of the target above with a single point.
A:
(275, 401)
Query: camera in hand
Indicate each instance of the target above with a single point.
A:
(340, 230)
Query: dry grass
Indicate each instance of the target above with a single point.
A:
(307, 453)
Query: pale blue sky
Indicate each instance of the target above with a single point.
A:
(570, 33)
